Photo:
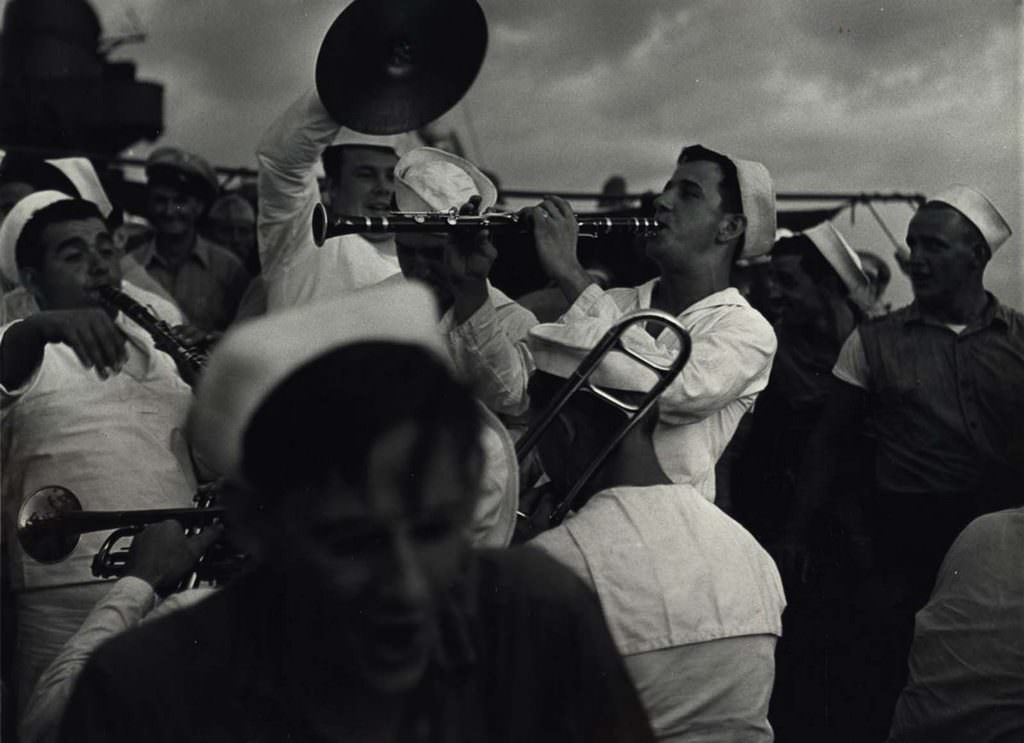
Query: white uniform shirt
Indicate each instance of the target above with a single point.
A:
(733, 348)
(117, 443)
(669, 568)
(295, 270)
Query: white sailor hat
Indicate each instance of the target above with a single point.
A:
(253, 358)
(432, 180)
(757, 192)
(844, 261)
(14, 224)
(981, 212)
(83, 177)
(558, 348)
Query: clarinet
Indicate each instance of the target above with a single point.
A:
(163, 335)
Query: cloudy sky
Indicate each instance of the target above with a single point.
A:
(847, 95)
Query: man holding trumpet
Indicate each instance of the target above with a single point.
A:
(86, 399)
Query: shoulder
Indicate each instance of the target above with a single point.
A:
(527, 574)
(220, 256)
(883, 323)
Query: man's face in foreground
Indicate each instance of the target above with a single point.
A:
(375, 561)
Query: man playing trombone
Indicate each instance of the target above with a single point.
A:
(714, 209)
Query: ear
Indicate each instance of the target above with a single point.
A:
(250, 520)
(731, 227)
(32, 281)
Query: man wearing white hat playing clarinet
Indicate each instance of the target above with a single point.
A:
(943, 382)
(714, 209)
(360, 175)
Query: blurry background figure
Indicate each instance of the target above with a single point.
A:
(879, 275)
(613, 194)
(756, 281)
(231, 222)
(966, 679)
(206, 281)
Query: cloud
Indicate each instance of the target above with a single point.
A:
(830, 94)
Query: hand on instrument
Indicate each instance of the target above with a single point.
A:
(162, 554)
(191, 336)
(555, 232)
(91, 334)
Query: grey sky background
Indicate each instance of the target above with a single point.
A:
(829, 94)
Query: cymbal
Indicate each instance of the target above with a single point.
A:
(391, 66)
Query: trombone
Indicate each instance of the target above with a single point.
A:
(581, 379)
(51, 522)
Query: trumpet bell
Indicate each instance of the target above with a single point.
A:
(391, 66)
(47, 545)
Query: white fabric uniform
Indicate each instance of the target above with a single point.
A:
(117, 443)
(675, 577)
(128, 602)
(733, 348)
(295, 270)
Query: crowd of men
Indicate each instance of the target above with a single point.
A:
(357, 409)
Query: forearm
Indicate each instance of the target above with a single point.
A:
(572, 281)
(497, 367)
(288, 189)
(128, 601)
(21, 353)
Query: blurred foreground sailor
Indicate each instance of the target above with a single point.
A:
(713, 210)
(967, 661)
(693, 601)
(365, 616)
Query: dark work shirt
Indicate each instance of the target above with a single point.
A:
(947, 408)
(525, 655)
(207, 287)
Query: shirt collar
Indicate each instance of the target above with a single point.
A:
(995, 313)
(728, 297)
(148, 254)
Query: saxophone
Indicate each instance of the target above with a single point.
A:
(190, 359)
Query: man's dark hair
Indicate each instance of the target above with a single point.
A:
(812, 261)
(333, 155)
(323, 420)
(28, 251)
(728, 189)
(971, 233)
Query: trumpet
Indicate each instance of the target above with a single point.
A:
(51, 521)
(451, 222)
(635, 411)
